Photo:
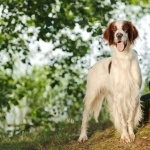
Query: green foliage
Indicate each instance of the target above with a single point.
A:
(58, 86)
(49, 97)
(137, 2)
(7, 85)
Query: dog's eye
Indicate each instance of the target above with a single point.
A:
(125, 28)
(114, 28)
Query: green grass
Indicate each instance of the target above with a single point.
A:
(41, 139)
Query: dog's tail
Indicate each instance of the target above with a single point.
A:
(138, 116)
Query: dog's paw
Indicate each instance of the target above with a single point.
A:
(83, 138)
(132, 137)
(125, 139)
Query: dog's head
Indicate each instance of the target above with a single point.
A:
(120, 34)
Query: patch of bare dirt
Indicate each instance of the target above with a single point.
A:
(109, 139)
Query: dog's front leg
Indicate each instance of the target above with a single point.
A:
(124, 133)
(123, 124)
(132, 111)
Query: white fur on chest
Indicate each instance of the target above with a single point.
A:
(125, 76)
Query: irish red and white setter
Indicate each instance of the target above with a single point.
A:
(118, 80)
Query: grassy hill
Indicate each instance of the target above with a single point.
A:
(108, 139)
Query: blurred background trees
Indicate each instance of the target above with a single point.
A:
(46, 48)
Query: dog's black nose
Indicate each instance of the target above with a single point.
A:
(119, 35)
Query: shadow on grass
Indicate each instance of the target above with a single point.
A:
(17, 146)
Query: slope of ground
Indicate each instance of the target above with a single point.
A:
(109, 140)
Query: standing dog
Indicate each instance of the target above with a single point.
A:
(118, 79)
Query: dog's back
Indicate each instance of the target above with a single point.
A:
(99, 75)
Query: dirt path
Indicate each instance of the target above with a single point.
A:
(109, 140)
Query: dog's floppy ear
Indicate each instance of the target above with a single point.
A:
(132, 32)
(109, 33)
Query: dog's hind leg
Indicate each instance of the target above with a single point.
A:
(88, 100)
(91, 103)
